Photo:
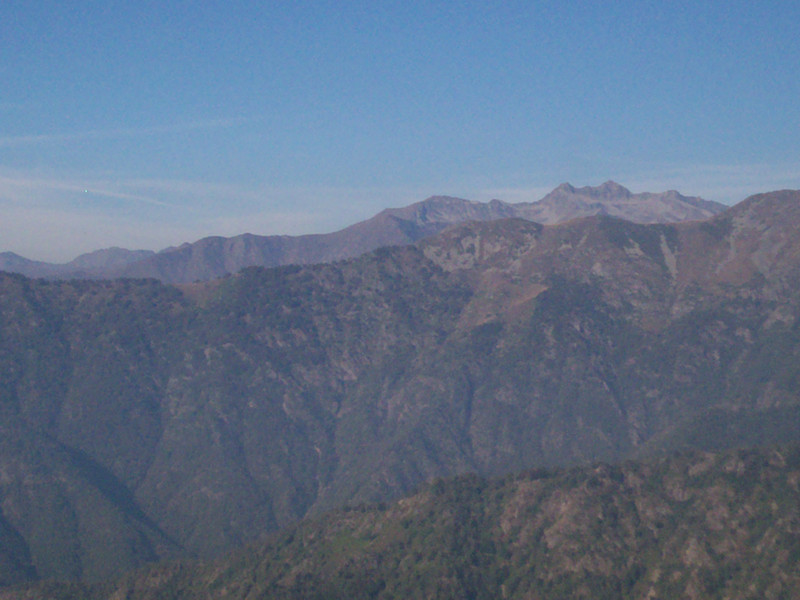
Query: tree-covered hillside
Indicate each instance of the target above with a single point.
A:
(696, 526)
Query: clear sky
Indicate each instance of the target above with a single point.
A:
(150, 123)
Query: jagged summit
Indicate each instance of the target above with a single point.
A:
(609, 189)
(612, 188)
(610, 198)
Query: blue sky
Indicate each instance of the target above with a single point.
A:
(149, 124)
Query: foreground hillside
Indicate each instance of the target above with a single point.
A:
(142, 421)
(695, 526)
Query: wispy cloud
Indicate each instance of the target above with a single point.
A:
(27, 189)
(101, 134)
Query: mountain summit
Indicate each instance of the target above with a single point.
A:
(567, 202)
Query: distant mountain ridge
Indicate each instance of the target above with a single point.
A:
(567, 202)
(91, 265)
(216, 256)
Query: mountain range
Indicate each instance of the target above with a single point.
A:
(214, 257)
(141, 421)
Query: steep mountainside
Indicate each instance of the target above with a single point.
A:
(214, 257)
(187, 420)
(695, 526)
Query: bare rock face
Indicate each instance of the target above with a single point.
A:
(214, 257)
(610, 198)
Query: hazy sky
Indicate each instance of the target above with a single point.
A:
(146, 124)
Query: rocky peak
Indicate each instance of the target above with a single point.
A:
(609, 188)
